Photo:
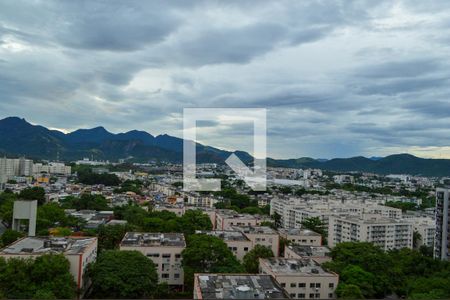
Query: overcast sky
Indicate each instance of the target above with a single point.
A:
(339, 78)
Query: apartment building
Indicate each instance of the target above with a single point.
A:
(442, 237)
(237, 286)
(426, 227)
(53, 168)
(236, 241)
(12, 167)
(227, 218)
(383, 232)
(320, 254)
(164, 249)
(301, 278)
(261, 235)
(298, 236)
(80, 252)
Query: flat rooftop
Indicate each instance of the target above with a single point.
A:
(298, 231)
(255, 229)
(144, 239)
(310, 251)
(226, 235)
(233, 214)
(44, 245)
(242, 286)
(303, 266)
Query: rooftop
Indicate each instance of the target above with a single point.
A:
(242, 286)
(140, 239)
(44, 245)
(298, 231)
(303, 266)
(226, 235)
(255, 229)
(310, 251)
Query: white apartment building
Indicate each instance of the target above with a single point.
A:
(261, 235)
(301, 278)
(384, 232)
(53, 168)
(12, 167)
(164, 249)
(227, 218)
(303, 237)
(426, 227)
(80, 252)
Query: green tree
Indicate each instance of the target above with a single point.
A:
(34, 193)
(205, 254)
(10, 236)
(194, 220)
(50, 215)
(251, 259)
(355, 275)
(109, 236)
(51, 273)
(349, 291)
(48, 277)
(123, 274)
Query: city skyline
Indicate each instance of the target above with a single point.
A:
(338, 80)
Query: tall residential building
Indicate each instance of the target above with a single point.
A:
(384, 232)
(441, 241)
(164, 249)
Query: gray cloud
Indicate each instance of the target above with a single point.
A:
(339, 78)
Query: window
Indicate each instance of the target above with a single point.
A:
(292, 295)
(317, 295)
(177, 255)
(311, 296)
(153, 255)
(245, 249)
(293, 285)
(317, 285)
(283, 284)
(302, 285)
(331, 285)
(301, 296)
(330, 295)
(167, 255)
(176, 275)
(312, 285)
(165, 275)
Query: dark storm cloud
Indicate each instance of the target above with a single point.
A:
(343, 77)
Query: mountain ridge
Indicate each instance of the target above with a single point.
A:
(20, 138)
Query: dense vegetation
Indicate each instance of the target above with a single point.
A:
(251, 259)
(366, 270)
(46, 277)
(123, 274)
(86, 176)
(205, 254)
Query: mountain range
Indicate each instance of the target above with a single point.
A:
(20, 138)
